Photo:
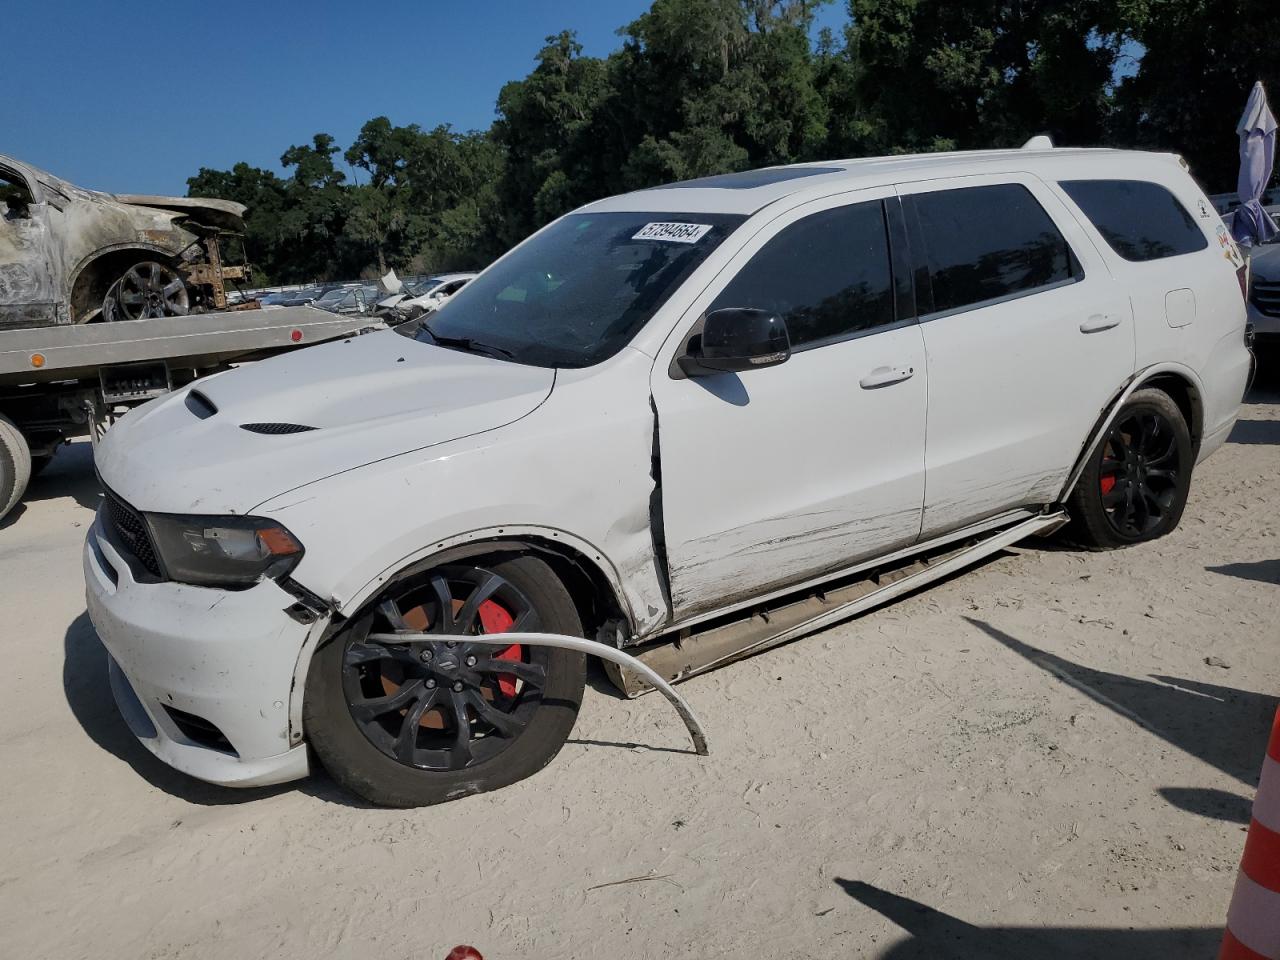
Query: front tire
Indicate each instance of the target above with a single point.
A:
(418, 723)
(1135, 485)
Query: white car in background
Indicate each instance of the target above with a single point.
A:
(657, 417)
(427, 297)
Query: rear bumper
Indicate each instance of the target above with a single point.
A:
(202, 677)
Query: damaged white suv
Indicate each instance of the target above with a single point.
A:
(794, 390)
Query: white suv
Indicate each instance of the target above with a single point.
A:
(658, 416)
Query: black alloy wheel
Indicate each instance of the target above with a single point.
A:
(444, 705)
(1138, 475)
(1135, 484)
(416, 722)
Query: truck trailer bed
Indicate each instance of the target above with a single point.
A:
(78, 351)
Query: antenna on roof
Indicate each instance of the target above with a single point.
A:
(1039, 142)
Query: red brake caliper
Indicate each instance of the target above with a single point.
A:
(495, 619)
(1108, 483)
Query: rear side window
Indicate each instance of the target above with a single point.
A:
(827, 275)
(983, 244)
(1139, 220)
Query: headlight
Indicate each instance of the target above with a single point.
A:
(223, 551)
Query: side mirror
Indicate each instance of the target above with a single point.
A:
(736, 339)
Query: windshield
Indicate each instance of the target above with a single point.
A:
(577, 293)
(334, 295)
(422, 287)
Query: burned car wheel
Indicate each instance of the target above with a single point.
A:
(406, 724)
(147, 290)
(1135, 486)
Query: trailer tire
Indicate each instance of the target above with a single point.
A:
(15, 465)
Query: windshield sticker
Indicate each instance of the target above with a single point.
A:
(673, 232)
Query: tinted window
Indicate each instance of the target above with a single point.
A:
(1139, 220)
(827, 275)
(988, 243)
(576, 293)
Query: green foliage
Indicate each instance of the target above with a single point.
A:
(699, 87)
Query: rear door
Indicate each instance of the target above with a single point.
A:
(775, 475)
(1028, 336)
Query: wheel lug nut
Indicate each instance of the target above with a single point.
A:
(471, 661)
(457, 686)
(431, 684)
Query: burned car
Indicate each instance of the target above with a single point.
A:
(70, 255)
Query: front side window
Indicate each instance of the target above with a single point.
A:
(1139, 220)
(15, 198)
(577, 293)
(827, 276)
(983, 244)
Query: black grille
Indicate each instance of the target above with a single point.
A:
(273, 428)
(131, 532)
(1265, 295)
(199, 730)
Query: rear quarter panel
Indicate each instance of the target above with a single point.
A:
(1188, 310)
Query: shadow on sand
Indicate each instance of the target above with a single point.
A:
(935, 935)
(1225, 727)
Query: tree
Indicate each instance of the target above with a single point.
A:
(701, 87)
(1200, 61)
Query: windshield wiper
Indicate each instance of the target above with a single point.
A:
(467, 343)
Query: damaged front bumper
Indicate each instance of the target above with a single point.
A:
(203, 677)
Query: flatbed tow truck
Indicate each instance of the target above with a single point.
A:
(72, 380)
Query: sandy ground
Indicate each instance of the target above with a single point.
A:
(1051, 756)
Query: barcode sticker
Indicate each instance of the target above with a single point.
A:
(673, 232)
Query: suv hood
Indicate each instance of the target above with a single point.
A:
(226, 214)
(365, 399)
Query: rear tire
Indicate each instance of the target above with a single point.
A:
(395, 757)
(15, 465)
(1135, 485)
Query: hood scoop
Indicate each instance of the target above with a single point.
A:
(200, 405)
(273, 429)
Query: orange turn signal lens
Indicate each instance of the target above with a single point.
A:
(278, 541)
(37, 360)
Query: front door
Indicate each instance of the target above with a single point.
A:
(777, 475)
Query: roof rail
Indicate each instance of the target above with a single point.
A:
(1039, 142)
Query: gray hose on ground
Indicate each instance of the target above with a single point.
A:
(592, 648)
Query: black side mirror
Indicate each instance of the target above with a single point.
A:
(736, 339)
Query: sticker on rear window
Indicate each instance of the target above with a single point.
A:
(673, 232)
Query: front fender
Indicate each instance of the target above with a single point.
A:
(555, 475)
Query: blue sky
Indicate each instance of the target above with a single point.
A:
(125, 97)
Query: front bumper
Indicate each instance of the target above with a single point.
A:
(224, 658)
(1265, 328)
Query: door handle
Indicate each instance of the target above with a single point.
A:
(1100, 321)
(883, 376)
